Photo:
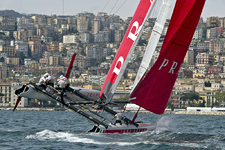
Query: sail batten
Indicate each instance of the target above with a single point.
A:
(153, 91)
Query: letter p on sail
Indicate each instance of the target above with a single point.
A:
(164, 64)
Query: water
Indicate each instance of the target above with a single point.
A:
(33, 130)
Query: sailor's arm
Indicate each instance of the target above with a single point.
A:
(124, 120)
(113, 117)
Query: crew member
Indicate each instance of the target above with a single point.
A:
(49, 80)
(61, 84)
(119, 116)
(65, 79)
(42, 81)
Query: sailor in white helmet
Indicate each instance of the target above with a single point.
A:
(42, 81)
(61, 83)
(49, 80)
(64, 78)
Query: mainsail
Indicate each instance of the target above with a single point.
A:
(126, 49)
(153, 40)
(153, 91)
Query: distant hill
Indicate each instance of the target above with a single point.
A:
(10, 13)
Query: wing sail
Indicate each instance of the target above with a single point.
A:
(126, 49)
(153, 91)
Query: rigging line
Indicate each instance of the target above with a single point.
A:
(120, 6)
(105, 5)
(113, 7)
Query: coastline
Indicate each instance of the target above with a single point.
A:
(166, 112)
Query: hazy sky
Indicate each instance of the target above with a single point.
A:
(72, 7)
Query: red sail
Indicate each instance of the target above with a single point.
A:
(127, 43)
(153, 91)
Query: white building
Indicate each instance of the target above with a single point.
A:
(28, 61)
(46, 39)
(71, 39)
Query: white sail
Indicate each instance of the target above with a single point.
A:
(153, 40)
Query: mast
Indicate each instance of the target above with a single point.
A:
(153, 40)
(153, 91)
(126, 48)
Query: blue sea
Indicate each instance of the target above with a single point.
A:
(58, 130)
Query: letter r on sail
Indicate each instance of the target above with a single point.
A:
(173, 67)
(164, 64)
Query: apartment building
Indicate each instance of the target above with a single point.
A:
(20, 35)
(212, 22)
(9, 50)
(7, 23)
(71, 38)
(3, 70)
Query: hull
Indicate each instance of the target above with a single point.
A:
(29, 91)
(123, 128)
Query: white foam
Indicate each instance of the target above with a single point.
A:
(69, 137)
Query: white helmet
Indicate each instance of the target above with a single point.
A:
(46, 75)
(61, 77)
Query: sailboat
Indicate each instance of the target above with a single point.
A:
(153, 88)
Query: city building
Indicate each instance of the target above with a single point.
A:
(7, 23)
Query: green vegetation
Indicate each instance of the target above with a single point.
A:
(207, 84)
(191, 97)
(220, 96)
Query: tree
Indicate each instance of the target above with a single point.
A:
(2, 59)
(77, 75)
(220, 96)
(102, 59)
(193, 104)
(207, 84)
(76, 68)
(191, 97)
(60, 73)
(201, 104)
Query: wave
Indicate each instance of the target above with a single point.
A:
(75, 138)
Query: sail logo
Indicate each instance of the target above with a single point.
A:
(165, 63)
(117, 68)
(134, 30)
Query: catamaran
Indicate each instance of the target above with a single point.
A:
(152, 88)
